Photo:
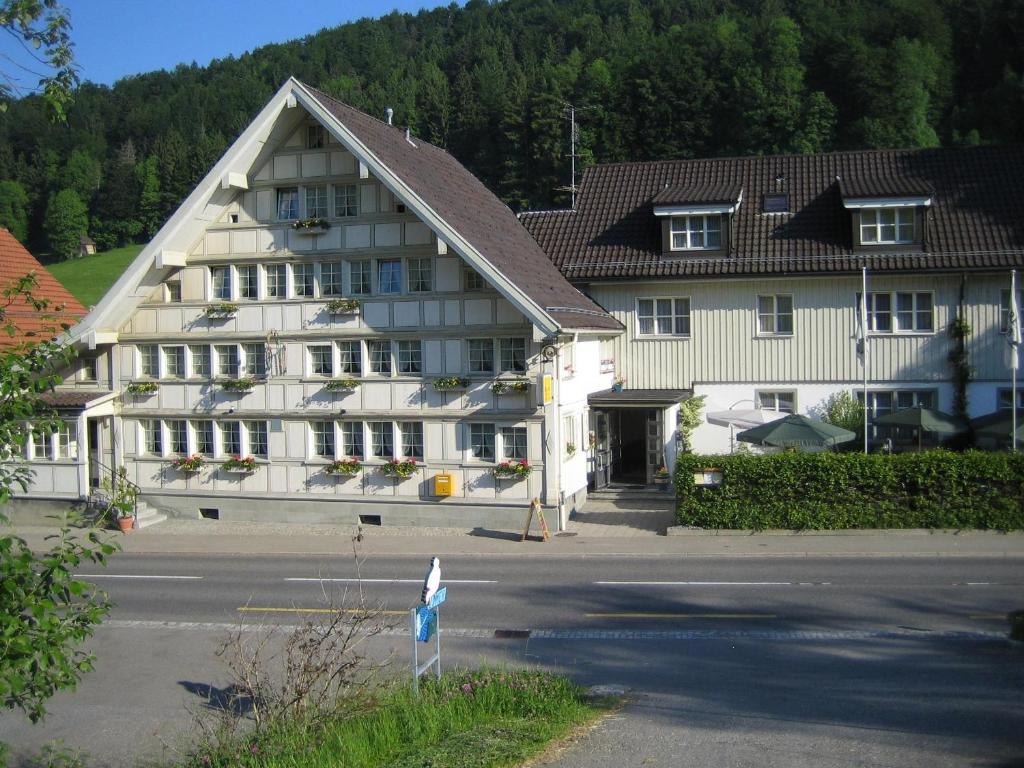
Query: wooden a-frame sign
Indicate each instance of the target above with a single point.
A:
(535, 507)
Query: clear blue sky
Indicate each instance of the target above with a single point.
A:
(116, 38)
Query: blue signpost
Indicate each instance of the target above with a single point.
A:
(424, 623)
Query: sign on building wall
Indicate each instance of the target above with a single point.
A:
(546, 388)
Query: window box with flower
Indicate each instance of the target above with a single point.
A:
(400, 468)
(344, 306)
(313, 225)
(517, 386)
(513, 470)
(142, 388)
(223, 310)
(241, 386)
(344, 467)
(189, 464)
(341, 385)
(449, 383)
(239, 465)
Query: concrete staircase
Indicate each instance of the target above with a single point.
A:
(625, 512)
(147, 515)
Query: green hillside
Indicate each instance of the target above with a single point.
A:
(89, 277)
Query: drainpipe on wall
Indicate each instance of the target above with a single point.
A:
(552, 453)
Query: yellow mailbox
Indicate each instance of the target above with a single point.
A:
(443, 484)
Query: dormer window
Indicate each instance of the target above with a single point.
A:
(886, 226)
(690, 233)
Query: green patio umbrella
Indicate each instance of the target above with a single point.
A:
(797, 432)
(924, 420)
(999, 424)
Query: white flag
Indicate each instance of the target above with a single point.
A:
(1013, 324)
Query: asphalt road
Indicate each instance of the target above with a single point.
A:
(731, 662)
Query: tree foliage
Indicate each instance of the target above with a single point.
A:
(491, 82)
(66, 221)
(44, 27)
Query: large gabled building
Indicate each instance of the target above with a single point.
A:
(739, 279)
(338, 289)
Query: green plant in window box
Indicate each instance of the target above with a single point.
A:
(142, 388)
(312, 223)
(343, 306)
(513, 469)
(448, 383)
(238, 464)
(221, 311)
(191, 463)
(341, 385)
(503, 386)
(399, 468)
(349, 466)
(237, 385)
(570, 449)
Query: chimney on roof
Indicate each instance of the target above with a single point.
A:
(388, 114)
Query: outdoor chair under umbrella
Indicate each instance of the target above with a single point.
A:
(924, 420)
(797, 432)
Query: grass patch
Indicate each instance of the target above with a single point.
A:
(469, 719)
(89, 277)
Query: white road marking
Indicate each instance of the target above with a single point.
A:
(138, 576)
(714, 583)
(391, 581)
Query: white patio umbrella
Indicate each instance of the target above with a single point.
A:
(745, 418)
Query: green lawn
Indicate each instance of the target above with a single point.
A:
(89, 277)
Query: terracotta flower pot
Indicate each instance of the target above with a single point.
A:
(125, 523)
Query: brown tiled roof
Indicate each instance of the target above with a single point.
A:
(472, 210)
(15, 263)
(72, 398)
(976, 219)
(884, 186)
(724, 193)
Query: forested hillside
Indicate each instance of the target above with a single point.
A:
(490, 81)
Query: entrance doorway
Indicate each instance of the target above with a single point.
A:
(629, 446)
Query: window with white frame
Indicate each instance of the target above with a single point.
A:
(277, 281)
(67, 440)
(288, 203)
(382, 439)
(152, 439)
(359, 277)
(315, 137)
(410, 356)
(316, 202)
(204, 437)
(775, 400)
(886, 226)
(248, 281)
(173, 291)
(1005, 396)
(481, 355)
(1004, 309)
(323, 439)
(174, 362)
(220, 283)
(228, 363)
(379, 354)
(149, 361)
(259, 446)
(421, 275)
(255, 359)
(346, 199)
(304, 279)
(775, 315)
(663, 316)
(412, 438)
(331, 279)
(899, 312)
(513, 443)
(177, 436)
(481, 441)
(349, 358)
(512, 354)
(473, 281)
(698, 232)
(231, 438)
(200, 354)
(321, 360)
(42, 444)
(352, 438)
(570, 433)
(389, 276)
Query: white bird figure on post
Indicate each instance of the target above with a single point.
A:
(432, 580)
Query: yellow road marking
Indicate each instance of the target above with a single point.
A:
(251, 609)
(680, 615)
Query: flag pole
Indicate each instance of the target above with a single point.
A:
(1014, 332)
(864, 342)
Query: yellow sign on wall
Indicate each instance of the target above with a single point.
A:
(546, 388)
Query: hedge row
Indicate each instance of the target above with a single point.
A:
(801, 491)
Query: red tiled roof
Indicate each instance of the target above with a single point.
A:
(975, 221)
(15, 263)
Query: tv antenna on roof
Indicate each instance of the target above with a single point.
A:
(574, 138)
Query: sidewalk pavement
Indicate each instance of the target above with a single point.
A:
(178, 536)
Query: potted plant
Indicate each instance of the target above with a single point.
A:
(407, 467)
(618, 384)
(238, 464)
(570, 449)
(244, 384)
(661, 475)
(341, 385)
(448, 383)
(350, 466)
(122, 495)
(513, 470)
(221, 311)
(501, 386)
(142, 388)
(344, 306)
(313, 225)
(189, 464)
